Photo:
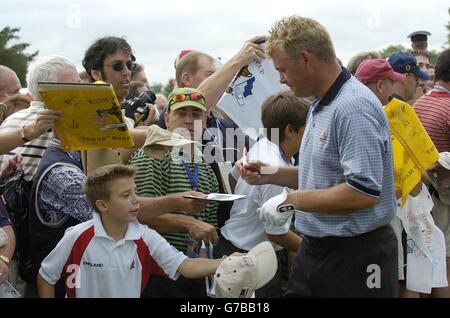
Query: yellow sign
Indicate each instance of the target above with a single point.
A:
(412, 148)
(91, 116)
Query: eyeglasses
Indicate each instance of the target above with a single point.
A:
(182, 97)
(119, 65)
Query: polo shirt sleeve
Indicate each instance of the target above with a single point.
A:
(52, 266)
(166, 255)
(362, 142)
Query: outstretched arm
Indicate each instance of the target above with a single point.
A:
(198, 267)
(214, 86)
(12, 139)
(258, 173)
(45, 290)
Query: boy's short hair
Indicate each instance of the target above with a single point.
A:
(282, 109)
(97, 185)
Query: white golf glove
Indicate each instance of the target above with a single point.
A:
(272, 213)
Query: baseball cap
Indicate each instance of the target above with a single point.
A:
(403, 63)
(444, 160)
(374, 70)
(185, 97)
(159, 141)
(239, 276)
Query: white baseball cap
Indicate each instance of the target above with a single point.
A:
(159, 141)
(444, 160)
(239, 276)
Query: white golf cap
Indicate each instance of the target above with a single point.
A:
(444, 160)
(239, 276)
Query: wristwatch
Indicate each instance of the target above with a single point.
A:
(22, 134)
(4, 259)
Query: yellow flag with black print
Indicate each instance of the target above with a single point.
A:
(412, 148)
(91, 115)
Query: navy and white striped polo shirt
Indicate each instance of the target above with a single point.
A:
(347, 140)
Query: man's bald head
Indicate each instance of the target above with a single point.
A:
(9, 83)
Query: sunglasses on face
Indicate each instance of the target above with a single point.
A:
(118, 66)
(182, 97)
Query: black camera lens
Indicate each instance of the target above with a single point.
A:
(138, 105)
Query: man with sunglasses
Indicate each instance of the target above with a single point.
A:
(165, 179)
(111, 60)
(405, 63)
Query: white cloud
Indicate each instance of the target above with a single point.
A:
(158, 30)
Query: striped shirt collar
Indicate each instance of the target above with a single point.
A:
(334, 89)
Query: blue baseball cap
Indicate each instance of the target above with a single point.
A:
(403, 63)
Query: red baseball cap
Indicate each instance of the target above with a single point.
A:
(179, 56)
(374, 70)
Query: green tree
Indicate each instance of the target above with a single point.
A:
(168, 88)
(13, 56)
(448, 29)
(391, 49)
(395, 48)
(157, 88)
(433, 54)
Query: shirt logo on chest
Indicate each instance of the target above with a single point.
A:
(94, 265)
(322, 136)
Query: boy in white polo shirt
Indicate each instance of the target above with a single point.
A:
(113, 255)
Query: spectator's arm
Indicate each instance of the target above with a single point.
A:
(11, 166)
(175, 223)
(139, 134)
(8, 251)
(290, 240)
(12, 139)
(258, 173)
(156, 206)
(198, 267)
(45, 290)
(214, 86)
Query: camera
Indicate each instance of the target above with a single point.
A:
(138, 105)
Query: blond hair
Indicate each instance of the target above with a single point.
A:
(98, 185)
(294, 34)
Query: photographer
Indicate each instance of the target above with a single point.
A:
(139, 104)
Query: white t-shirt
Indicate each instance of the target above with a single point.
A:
(244, 228)
(109, 268)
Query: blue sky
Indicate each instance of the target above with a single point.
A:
(158, 30)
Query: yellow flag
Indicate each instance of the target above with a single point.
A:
(91, 116)
(412, 148)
